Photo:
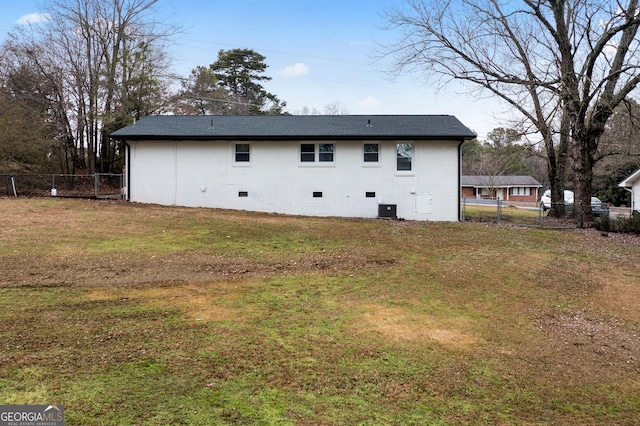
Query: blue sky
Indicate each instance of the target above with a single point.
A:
(318, 52)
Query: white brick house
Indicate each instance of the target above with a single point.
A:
(632, 184)
(351, 166)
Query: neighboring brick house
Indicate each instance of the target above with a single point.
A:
(506, 188)
(405, 166)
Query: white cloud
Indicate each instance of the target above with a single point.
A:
(295, 70)
(369, 102)
(33, 18)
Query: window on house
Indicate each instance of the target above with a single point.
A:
(242, 152)
(317, 194)
(520, 191)
(370, 194)
(243, 194)
(371, 152)
(325, 152)
(404, 156)
(307, 153)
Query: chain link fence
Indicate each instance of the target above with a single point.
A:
(98, 185)
(496, 210)
(532, 214)
(522, 214)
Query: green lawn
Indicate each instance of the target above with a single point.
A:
(130, 314)
(507, 214)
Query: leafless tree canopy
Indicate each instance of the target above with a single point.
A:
(102, 63)
(563, 65)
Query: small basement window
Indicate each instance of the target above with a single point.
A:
(243, 194)
(317, 194)
(370, 195)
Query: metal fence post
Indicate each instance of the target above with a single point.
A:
(13, 183)
(540, 212)
(464, 208)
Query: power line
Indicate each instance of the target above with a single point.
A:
(296, 54)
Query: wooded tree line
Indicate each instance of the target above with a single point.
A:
(567, 69)
(506, 152)
(95, 66)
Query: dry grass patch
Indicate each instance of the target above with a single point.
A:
(619, 290)
(400, 324)
(199, 301)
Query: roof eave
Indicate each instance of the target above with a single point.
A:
(286, 137)
(628, 182)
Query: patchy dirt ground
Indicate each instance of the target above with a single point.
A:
(592, 342)
(583, 344)
(117, 270)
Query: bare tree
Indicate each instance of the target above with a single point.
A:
(332, 108)
(102, 54)
(335, 108)
(307, 111)
(23, 141)
(563, 65)
(621, 137)
(32, 74)
(500, 155)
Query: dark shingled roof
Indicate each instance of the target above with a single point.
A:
(499, 181)
(294, 127)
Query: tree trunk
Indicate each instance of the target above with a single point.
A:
(582, 184)
(557, 163)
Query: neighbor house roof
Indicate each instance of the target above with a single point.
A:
(294, 127)
(628, 182)
(499, 181)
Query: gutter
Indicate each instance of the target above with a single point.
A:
(632, 200)
(460, 179)
(276, 138)
(127, 156)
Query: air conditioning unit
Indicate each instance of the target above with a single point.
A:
(387, 210)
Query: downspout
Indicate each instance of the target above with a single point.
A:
(460, 180)
(633, 203)
(127, 178)
(127, 160)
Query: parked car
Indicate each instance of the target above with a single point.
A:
(545, 200)
(598, 208)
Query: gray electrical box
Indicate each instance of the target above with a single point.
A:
(387, 210)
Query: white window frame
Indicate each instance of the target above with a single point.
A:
(317, 155)
(241, 163)
(523, 191)
(365, 152)
(412, 157)
(324, 154)
(307, 153)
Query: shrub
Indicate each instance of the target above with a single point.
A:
(620, 224)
